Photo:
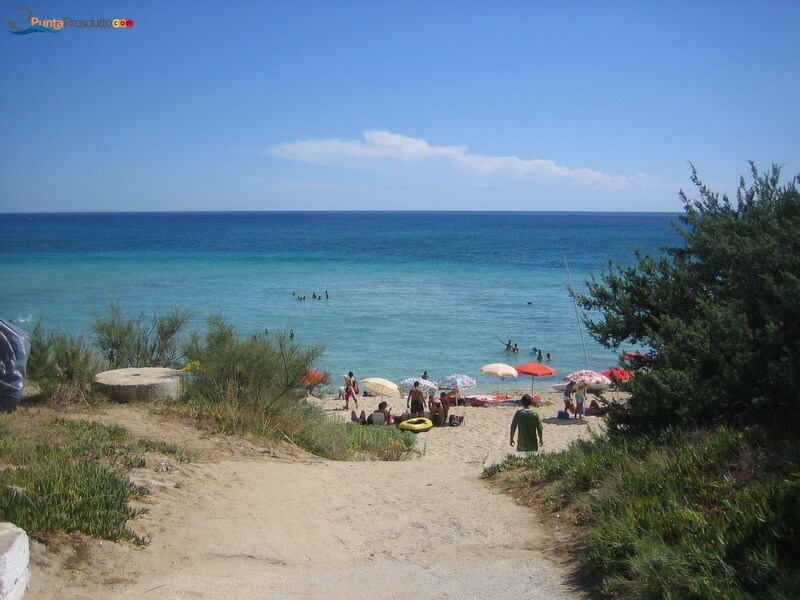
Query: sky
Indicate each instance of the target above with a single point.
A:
(390, 105)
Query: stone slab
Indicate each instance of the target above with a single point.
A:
(140, 384)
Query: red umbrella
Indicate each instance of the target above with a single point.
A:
(617, 374)
(312, 377)
(635, 357)
(534, 369)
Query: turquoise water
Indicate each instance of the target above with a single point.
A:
(407, 291)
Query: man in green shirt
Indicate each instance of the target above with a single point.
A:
(530, 425)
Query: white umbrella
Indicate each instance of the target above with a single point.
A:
(428, 387)
(381, 386)
(499, 370)
(595, 380)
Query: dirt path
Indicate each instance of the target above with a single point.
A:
(247, 522)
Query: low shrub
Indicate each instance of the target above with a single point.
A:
(63, 365)
(692, 515)
(70, 476)
(340, 440)
(249, 384)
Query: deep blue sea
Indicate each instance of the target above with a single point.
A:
(407, 291)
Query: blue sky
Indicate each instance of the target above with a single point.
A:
(416, 105)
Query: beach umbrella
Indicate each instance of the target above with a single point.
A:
(535, 369)
(427, 386)
(617, 374)
(499, 370)
(381, 386)
(595, 380)
(312, 377)
(456, 381)
(635, 357)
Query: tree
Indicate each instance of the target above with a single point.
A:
(718, 314)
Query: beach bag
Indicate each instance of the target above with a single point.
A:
(562, 414)
(456, 420)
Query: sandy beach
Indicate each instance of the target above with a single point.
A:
(243, 521)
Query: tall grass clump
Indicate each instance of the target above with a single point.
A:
(247, 384)
(70, 476)
(136, 341)
(704, 514)
(63, 365)
(339, 440)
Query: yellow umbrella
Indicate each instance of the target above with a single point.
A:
(381, 386)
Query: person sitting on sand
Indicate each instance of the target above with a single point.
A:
(381, 415)
(530, 426)
(416, 401)
(596, 410)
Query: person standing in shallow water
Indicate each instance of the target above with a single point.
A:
(529, 423)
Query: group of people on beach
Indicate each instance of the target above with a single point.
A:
(580, 388)
(417, 404)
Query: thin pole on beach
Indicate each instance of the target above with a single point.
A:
(577, 316)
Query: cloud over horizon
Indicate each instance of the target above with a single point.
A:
(378, 145)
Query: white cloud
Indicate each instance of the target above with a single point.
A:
(377, 146)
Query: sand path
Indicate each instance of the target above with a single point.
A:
(247, 522)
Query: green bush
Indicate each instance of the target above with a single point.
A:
(63, 365)
(247, 384)
(719, 315)
(135, 341)
(688, 515)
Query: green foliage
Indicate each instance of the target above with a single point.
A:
(135, 341)
(689, 515)
(251, 383)
(64, 365)
(69, 476)
(339, 440)
(718, 314)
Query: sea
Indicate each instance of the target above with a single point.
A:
(388, 294)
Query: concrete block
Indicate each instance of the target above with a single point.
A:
(140, 385)
(15, 568)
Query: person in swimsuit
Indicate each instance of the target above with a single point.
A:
(351, 391)
(416, 401)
